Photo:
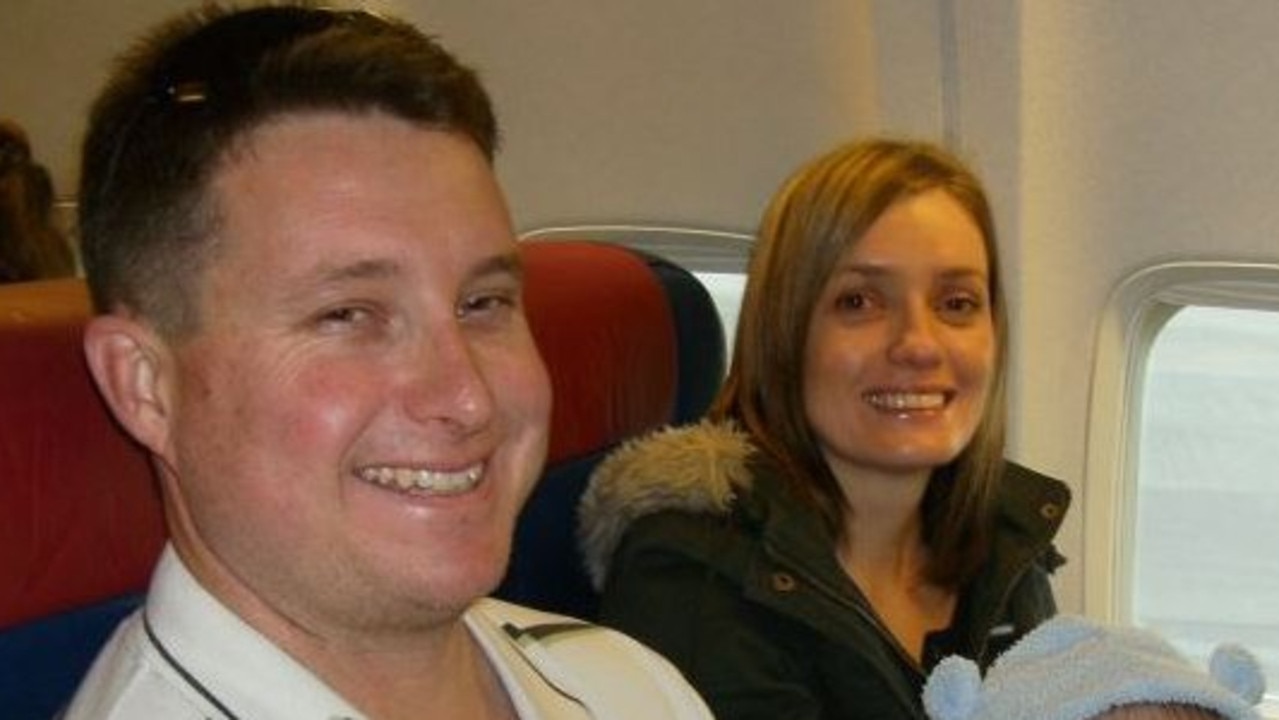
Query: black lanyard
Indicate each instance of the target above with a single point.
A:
(183, 672)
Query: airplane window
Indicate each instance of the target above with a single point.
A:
(1182, 505)
(726, 290)
(1205, 546)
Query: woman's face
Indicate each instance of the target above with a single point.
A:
(901, 345)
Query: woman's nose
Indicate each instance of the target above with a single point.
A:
(915, 337)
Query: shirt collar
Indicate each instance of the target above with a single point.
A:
(227, 657)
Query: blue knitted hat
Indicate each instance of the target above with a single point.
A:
(1070, 668)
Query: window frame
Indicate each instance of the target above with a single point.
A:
(1135, 312)
(696, 249)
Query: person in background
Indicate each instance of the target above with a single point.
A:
(310, 314)
(845, 516)
(31, 246)
(1071, 668)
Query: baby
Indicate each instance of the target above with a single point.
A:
(1070, 668)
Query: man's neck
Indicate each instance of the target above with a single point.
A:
(434, 668)
(447, 676)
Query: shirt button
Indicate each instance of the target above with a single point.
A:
(783, 582)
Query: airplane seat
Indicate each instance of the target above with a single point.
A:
(80, 518)
(632, 342)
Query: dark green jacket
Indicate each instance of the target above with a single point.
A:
(702, 555)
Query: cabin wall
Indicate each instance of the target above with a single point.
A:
(1112, 135)
(664, 111)
(657, 111)
(1149, 136)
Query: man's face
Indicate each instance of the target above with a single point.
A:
(362, 411)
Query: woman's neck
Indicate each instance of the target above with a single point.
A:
(881, 509)
(881, 548)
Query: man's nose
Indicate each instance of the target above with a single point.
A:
(447, 382)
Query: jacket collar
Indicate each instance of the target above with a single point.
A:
(697, 469)
(710, 467)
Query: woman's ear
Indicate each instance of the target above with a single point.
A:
(130, 364)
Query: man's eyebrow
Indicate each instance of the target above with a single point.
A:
(511, 263)
(327, 277)
(378, 269)
(359, 270)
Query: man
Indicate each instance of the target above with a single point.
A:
(311, 317)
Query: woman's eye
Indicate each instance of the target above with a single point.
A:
(962, 305)
(852, 301)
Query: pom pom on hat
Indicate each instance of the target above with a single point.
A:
(1237, 670)
(1070, 668)
(953, 689)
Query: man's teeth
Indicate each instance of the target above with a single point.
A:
(907, 401)
(429, 481)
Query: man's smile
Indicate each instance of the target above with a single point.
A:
(421, 480)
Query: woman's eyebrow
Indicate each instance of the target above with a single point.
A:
(877, 270)
(961, 273)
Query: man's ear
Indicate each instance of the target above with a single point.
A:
(131, 365)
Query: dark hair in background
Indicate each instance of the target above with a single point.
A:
(180, 101)
(31, 246)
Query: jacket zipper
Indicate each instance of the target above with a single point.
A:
(861, 608)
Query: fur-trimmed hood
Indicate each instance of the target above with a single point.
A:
(694, 468)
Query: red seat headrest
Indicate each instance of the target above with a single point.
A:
(603, 325)
(80, 518)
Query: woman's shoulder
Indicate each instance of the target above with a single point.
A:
(1033, 482)
(685, 474)
(1032, 501)
(1030, 511)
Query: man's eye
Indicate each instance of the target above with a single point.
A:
(486, 303)
(343, 317)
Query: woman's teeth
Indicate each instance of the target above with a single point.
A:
(907, 401)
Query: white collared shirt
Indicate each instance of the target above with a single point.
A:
(185, 655)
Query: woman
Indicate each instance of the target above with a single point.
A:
(845, 517)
